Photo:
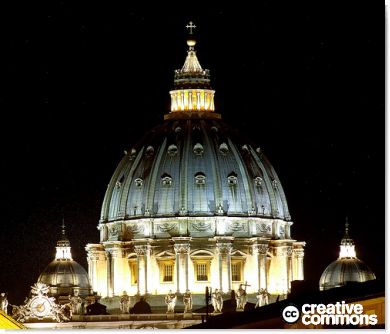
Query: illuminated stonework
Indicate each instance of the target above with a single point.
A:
(192, 91)
(347, 246)
(347, 268)
(196, 207)
(63, 275)
(192, 100)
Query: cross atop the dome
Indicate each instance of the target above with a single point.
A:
(63, 226)
(191, 26)
(346, 225)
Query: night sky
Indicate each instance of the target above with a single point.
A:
(82, 81)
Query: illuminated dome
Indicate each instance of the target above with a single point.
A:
(193, 165)
(347, 268)
(64, 275)
(193, 204)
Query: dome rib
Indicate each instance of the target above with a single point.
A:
(150, 194)
(216, 173)
(244, 176)
(128, 182)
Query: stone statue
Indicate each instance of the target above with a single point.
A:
(125, 302)
(76, 303)
(187, 301)
(3, 302)
(217, 301)
(262, 298)
(241, 298)
(170, 300)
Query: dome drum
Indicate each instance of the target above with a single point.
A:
(205, 227)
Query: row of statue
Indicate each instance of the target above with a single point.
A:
(217, 299)
(76, 303)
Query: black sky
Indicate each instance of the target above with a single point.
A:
(82, 81)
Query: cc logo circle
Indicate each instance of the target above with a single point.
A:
(290, 314)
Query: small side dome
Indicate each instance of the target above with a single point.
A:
(64, 276)
(347, 268)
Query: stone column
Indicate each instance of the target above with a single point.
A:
(117, 265)
(289, 251)
(93, 257)
(110, 274)
(224, 248)
(182, 251)
(298, 262)
(261, 250)
(143, 255)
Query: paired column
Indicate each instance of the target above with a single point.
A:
(224, 248)
(143, 264)
(115, 284)
(182, 252)
(261, 249)
(93, 257)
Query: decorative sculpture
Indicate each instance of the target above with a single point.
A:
(40, 306)
(125, 302)
(170, 300)
(187, 301)
(217, 301)
(262, 298)
(3, 302)
(241, 298)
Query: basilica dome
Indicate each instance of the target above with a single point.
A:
(194, 203)
(347, 268)
(63, 275)
(192, 165)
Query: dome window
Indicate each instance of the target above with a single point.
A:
(214, 129)
(166, 180)
(198, 149)
(178, 129)
(149, 151)
(172, 150)
(133, 152)
(258, 181)
(200, 178)
(223, 148)
(275, 184)
(281, 231)
(138, 182)
(232, 179)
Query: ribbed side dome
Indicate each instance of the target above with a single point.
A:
(194, 167)
(63, 276)
(344, 270)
